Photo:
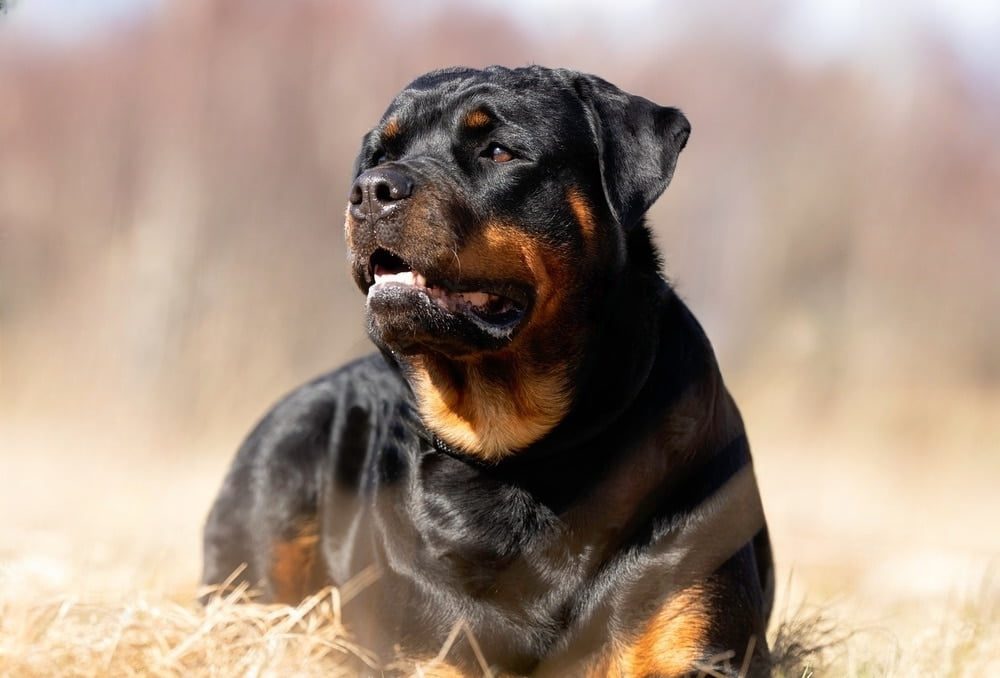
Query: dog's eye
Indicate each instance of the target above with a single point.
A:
(498, 153)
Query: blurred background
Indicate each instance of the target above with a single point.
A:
(173, 176)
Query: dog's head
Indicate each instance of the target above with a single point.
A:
(488, 218)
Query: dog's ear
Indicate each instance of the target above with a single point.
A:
(638, 143)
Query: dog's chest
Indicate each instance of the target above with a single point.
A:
(465, 529)
(452, 542)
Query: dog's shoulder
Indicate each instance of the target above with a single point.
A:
(271, 493)
(313, 409)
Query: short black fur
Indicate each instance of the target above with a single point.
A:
(553, 551)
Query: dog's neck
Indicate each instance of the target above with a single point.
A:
(498, 405)
(489, 407)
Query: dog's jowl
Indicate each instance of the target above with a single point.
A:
(542, 449)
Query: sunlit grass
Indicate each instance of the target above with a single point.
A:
(142, 633)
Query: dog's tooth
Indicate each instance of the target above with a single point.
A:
(419, 280)
(403, 277)
(476, 298)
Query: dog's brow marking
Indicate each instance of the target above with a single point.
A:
(477, 118)
(392, 128)
(582, 212)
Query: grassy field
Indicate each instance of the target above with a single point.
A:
(140, 633)
(172, 259)
(886, 562)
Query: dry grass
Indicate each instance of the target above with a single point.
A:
(965, 642)
(145, 634)
(99, 555)
(149, 636)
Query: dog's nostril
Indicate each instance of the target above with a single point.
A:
(384, 192)
(357, 194)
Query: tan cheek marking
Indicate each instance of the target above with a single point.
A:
(292, 566)
(477, 118)
(466, 404)
(543, 266)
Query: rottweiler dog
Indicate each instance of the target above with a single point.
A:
(542, 453)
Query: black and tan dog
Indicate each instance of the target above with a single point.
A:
(544, 450)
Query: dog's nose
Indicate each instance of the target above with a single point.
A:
(376, 192)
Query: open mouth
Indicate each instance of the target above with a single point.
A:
(483, 302)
